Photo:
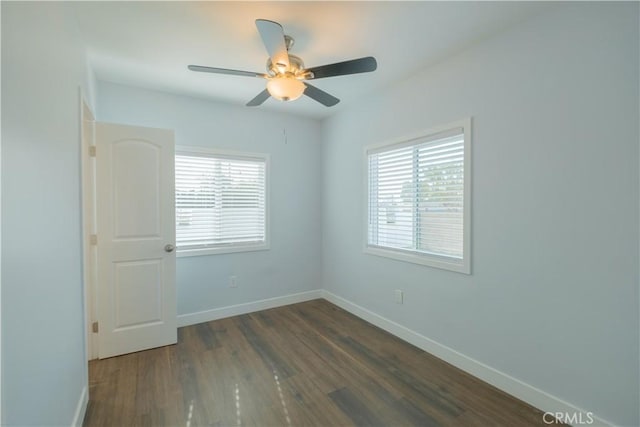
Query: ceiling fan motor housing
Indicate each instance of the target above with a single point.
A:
(295, 67)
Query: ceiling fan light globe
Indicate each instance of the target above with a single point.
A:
(285, 88)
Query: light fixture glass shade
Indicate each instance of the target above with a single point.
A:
(285, 88)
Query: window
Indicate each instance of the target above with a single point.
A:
(418, 199)
(221, 202)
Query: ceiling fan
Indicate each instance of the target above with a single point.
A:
(286, 74)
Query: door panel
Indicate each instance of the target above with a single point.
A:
(138, 293)
(135, 220)
(136, 161)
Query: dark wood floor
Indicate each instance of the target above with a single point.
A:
(305, 364)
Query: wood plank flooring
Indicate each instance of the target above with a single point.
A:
(300, 365)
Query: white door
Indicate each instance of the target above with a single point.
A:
(135, 238)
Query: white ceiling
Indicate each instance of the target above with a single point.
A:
(150, 44)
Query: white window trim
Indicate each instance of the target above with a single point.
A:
(233, 247)
(464, 266)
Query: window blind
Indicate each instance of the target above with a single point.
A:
(220, 201)
(416, 196)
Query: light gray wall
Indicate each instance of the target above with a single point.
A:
(292, 264)
(43, 344)
(553, 295)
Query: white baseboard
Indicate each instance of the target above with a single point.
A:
(250, 307)
(523, 391)
(78, 417)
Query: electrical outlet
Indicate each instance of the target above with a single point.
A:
(233, 283)
(399, 296)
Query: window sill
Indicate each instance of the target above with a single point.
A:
(222, 250)
(430, 260)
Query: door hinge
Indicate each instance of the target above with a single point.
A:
(92, 151)
(93, 239)
(94, 327)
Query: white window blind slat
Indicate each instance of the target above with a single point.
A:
(220, 200)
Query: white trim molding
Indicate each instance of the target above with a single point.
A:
(513, 386)
(81, 408)
(249, 307)
(87, 172)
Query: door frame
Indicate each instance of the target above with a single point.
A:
(89, 253)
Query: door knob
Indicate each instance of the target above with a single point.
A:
(169, 248)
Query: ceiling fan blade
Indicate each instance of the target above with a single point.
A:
(259, 99)
(202, 69)
(272, 36)
(321, 96)
(354, 66)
